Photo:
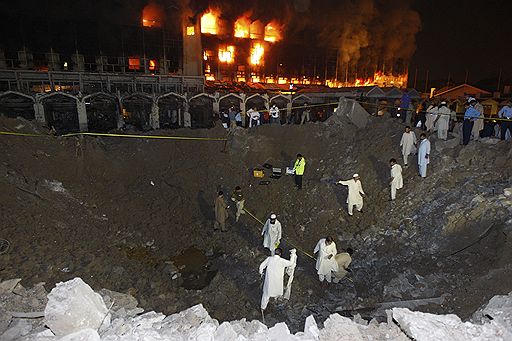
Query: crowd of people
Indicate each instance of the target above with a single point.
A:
(232, 118)
(332, 266)
(438, 115)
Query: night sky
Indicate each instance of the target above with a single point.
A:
(464, 35)
(455, 37)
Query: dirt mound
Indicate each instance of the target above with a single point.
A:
(118, 212)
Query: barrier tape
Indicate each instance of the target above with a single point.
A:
(120, 135)
(288, 242)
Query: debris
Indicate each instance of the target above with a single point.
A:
(73, 306)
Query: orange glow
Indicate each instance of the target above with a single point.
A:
(133, 63)
(152, 65)
(378, 79)
(209, 22)
(257, 52)
(227, 55)
(152, 15)
(273, 32)
(210, 77)
(191, 31)
(242, 27)
(257, 30)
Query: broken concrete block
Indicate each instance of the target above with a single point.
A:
(422, 327)
(499, 309)
(73, 306)
(87, 334)
(337, 327)
(9, 285)
(311, 328)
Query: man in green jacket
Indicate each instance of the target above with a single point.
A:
(298, 168)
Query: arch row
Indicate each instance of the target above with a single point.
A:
(103, 112)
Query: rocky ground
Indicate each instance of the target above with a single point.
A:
(135, 216)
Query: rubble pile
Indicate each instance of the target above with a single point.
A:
(75, 312)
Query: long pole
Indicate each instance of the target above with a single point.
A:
(466, 78)
(415, 78)
(499, 81)
(426, 82)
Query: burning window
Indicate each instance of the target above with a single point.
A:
(133, 63)
(273, 32)
(191, 30)
(257, 52)
(242, 27)
(227, 54)
(209, 22)
(152, 15)
(152, 65)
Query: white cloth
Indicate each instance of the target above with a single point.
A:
(271, 234)
(479, 123)
(397, 182)
(324, 265)
(290, 271)
(423, 151)
(443, 122)
(254, 115)
(274, 112)
(355, 189)
(274, 276)
(432, 112)
(408, 143)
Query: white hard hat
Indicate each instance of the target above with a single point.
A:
(471, 99)
(355, 175)
(273, 216)
(443, 102)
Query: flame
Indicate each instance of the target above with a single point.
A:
(209, 22)
(273, 32)
(257, 30)
(242, 27)
(152, 15)
(379, 78)
(257, 52)
(227, 55)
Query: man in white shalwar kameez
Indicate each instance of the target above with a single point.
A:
(408, 143)
(271, 233)
(274, 276)
(355, 193)
(396, 178)
(423, 155)
(443, 121)
(432, 112)
(479, 123)
(325, 262)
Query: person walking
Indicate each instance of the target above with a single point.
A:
(238, 198)
(396, 178)
(423, 155)
(470, 116)
(408, 144)
(355, 193)
(274, 275)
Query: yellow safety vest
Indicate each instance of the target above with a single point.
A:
(299, 165)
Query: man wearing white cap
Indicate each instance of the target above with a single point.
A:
(325, 262)
(271, 233)
(443, 120)
(355, 193)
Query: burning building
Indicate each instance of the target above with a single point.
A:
(249, 45)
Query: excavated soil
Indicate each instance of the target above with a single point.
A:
(136, 216)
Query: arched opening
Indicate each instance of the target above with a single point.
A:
(61, 113)
(102, 113)
(201, 111)
(170, 111)
(136, 111)
(258, 102)
(298, 107)
(14, 105)
(281, 102)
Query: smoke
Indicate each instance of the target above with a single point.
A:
(367, 33)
